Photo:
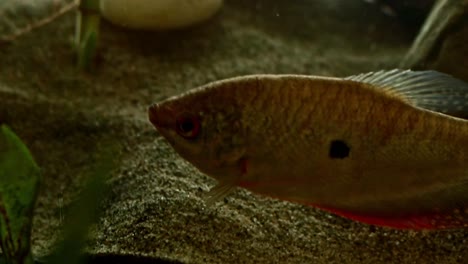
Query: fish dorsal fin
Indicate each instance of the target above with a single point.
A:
(431, 90)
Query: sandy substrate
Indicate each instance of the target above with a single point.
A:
(154, 208)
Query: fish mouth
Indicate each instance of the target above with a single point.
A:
(160, 117)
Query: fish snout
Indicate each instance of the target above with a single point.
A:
(160, 117)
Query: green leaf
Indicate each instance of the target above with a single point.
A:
(84, 212)
(19, 180)
(87, 51)
(87, 33)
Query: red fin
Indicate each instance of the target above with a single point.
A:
(449, 218)
(399, 223)
(456, 219)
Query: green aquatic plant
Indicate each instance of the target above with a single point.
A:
(21, 17)
(87, 32)
(19, 181)
(83, 214)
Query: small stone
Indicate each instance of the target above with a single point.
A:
(158, 14)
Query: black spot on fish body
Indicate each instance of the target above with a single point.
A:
(338, 149)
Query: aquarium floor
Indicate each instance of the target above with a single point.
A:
(154, 209)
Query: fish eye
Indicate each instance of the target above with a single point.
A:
(188, 126)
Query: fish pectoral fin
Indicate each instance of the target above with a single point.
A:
(225, 187)
(430, 90)
(218, 192)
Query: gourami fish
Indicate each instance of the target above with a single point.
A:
(383, 148)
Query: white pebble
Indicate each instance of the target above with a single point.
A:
(158, 14)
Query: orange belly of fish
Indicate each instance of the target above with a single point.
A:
(456, 218)
(447, 219)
